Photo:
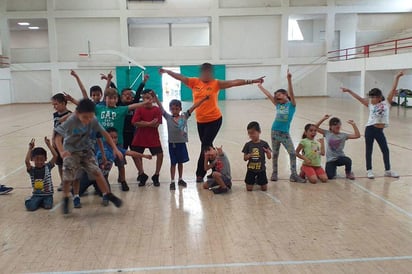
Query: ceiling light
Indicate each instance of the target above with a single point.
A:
(33, 27)
(23, 23)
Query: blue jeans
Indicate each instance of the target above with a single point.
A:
(371, 134)
(36, 201)
(331, 166)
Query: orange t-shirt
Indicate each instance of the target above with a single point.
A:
(208, 111)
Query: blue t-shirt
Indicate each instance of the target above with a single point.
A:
(284, 116)
(108, 151)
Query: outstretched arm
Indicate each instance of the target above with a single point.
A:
(175, 75)
(224, 84)
(157, 101)
(192, 108)
(267, 93)
(356, 133)
(291, 93)
(135, 154)
(394, 87)
(357, 97)
(321, 131)
(139, 90)
(28, 155)
(80, 83)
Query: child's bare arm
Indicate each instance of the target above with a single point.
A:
(224, 84)
(208, 165)
(157, 101)
(80, 83)
(356, 133)
(394, 86)
(268, 152)
(109, 80)
(322, 146)
(109, 140)
(136, 105)
(101, 148)
(28, 155)
(58, 140)
(363, 101)
(291, 93)
(192, 108)
(321, 131)
(153, 123)
(267, 93)
(52, 150)
(135, 154)
(175, 75)
(301, 156)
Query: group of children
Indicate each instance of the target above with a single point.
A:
(86, 143)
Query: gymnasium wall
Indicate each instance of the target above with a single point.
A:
(248, 37)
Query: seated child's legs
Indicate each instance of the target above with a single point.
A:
(33, 203)
(321, 174)
(47, 202)
(221, 180)
(310, 173)
(122, 171)
(331, 169)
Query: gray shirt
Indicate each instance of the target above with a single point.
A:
(222, 165)
(334, 145)
(77, 137)
(177, 127)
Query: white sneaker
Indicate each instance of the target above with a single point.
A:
(389, 173)
(369, 174)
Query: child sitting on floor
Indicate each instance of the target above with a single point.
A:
(218, 162)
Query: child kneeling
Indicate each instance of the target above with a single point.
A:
(40, 176)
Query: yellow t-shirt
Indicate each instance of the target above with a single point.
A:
(208, 111)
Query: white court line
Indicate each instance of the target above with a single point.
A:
(401, 210)
(13, 172)
(56, 207)
(232, 265)
(271, 196)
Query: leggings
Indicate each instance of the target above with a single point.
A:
(279, 137)
(207, 134)
(331, 166)
(373, 133)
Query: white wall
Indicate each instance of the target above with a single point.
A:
(303, 80)
(24, 5)
(5, 87)
(170, 5)
(346, 24)
(149, 36)
(29, 39)
(351, 80)
(31, 86)
(190, 35)
(89, 4)
(241, 36)
(249, 4)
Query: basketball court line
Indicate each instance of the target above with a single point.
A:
(13, 172)
(271, 196)
(235, 265)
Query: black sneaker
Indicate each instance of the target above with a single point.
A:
(172, 186)
(116, 201)
(4, 189)
(125, 187)
(105, 200)
(199, 179)
(65, 205)
(139, 177)
(182, 183)
(155, 179)
(229, 185)
(143, 179)
(60, 188)
(220, 190)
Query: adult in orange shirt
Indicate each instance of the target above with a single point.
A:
(208, 114)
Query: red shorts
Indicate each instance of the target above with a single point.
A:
(310, 171)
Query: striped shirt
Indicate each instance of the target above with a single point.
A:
(41, 179)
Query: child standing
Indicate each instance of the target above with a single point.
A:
(312, 150)
(40, 176)
(111, 115)
(217, 161)
(378, 120)
(177, 135)
(335, 142)
(148, 119)
(285, 110)
(77, 150)
(255, 152)
(59, 102)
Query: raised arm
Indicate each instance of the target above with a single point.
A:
(157, 101)
(356, 96)
(224, 84)
(322, 146)
(70, 98)
(80, 83)
(291, 93)
(394, 87)
(139, 90)
(192, 108)
(109, 78)
(321, 131)
(28, 155)
(52, 150)
(356, 131)
(267, 93)
(175, 75)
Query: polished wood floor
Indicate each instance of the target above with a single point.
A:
(361, 226)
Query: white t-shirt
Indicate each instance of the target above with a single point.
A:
(378, 114)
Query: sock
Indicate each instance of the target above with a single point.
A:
(180, 178)
(76, 196)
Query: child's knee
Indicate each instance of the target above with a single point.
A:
(216, 175)
(264, 187)
(313, 179)
(323, 178)
(249, 187)
(205, 185)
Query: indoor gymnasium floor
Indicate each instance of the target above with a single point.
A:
(361, 226)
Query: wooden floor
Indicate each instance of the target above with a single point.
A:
(361, 226)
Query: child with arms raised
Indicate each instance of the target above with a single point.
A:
(335, 142)
(177, 135)
(40, 176)
(312, 150)
(285, 104)
(378, 120)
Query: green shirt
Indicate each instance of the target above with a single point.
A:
(112, 117)
(311, 150)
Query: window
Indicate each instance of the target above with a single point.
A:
(294, 32)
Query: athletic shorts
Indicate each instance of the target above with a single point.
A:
(153, 150)
(178, 153)
(310, 171)
(59, 160)
(258, 178)
(127, 140)
(73, 164)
